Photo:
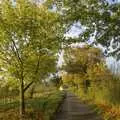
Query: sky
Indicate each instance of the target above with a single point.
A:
(76, 30)
(113, 1)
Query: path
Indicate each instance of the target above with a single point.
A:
(73, 109)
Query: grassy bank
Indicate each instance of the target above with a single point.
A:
(100, 104)
(38, 108)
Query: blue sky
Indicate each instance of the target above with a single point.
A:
(112, 1)
(75, 31)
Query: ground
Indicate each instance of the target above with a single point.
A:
(74, 109)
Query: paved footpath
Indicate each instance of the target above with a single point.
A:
(73, 109)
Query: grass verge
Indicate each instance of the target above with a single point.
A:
(41, 108)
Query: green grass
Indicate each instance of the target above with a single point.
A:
(42, 107)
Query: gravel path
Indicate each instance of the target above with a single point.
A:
(73, 109)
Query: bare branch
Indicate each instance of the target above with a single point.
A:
(28, 86)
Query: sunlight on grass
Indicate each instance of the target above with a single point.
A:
(42, 107)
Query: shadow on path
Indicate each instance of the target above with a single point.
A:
(73, 109)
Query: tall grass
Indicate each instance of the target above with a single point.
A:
(105, 94)
(41, 107)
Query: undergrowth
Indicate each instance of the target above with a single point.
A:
(38, 108)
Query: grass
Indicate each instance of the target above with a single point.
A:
(39, 108)
(101, 105)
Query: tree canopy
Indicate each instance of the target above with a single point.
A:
(86, 63)
(100, 19)
(29, 41)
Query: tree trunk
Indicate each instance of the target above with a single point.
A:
(22, 100)
(32, 92)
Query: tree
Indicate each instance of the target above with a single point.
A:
(84, 66)
(100, 19)
(29, 41)
(56, 80)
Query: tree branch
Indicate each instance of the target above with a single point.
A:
(37, 67)
(16, 51)
(28, 86)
